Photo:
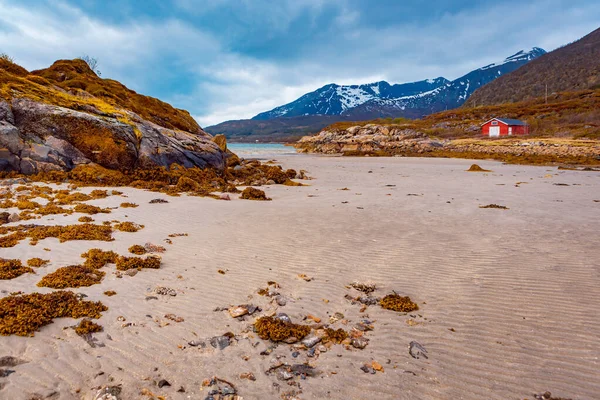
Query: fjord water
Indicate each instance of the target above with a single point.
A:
(260, 150)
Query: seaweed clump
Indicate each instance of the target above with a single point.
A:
(477, 168)
(270, 328)
(336, 335)
(85, 218)
(137, 249)
(128, 205)
(25, 314)
(90, 209)
(398, 303)
(110, 293)
(126, 263)
(10, 269)
(72, 277)
(87, 326)
(251, 193)
(96, 258)
(128, 226)
(37, 262)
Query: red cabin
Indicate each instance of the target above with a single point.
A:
(497, 127)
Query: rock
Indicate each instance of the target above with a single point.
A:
(5, 372)
(163, 383)
(224, 196)
(165, 291)
(39, 136)
(4, 217)
(311, 340)
(283, 317)
(359, 342)
(220, 342)
(108, 393)
(14, 217)
(281, 301)
(221, 141)
(197, 343)
(248, 375)
(368, 300)
(270, 182)
(284, 375)
(238, 311)
(416, 350)
(367, 369)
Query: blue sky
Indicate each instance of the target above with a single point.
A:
(231, 59)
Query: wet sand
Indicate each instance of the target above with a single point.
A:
(509, 299)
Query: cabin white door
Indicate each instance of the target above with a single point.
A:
(494, 131)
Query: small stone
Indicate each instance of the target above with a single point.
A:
(163, 382)
(271, 182)
(283, 317)
(14, 217)
(284, 375)
(196, 343)
(108, 393)
(360, 342)
(376, 366)
(220, 342)
(311, 340)
(367, 369)
(295, 354)
(224, 196)
(238, 311)
(416, 350)
(281, 301)
(248, 375)
(165, 291)
(311, 352)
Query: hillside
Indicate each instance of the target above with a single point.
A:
(65, 115)
(573, 67)
(314, 110)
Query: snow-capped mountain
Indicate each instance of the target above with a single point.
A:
(382, 99)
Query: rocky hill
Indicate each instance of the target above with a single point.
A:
(65, 115)
(332, 102)
(573, 67)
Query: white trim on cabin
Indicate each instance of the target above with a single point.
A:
(495, 119)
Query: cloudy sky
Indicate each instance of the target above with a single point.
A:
(231, 59)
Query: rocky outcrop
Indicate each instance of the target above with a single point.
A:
(36, 137)
(382, 140)
(65, 116)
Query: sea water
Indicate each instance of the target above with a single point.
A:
(260, 150)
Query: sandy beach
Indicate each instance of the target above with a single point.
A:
(508, 298)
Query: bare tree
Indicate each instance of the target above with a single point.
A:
(6, 57)
(92, 63)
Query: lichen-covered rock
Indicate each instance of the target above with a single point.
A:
(65, 116)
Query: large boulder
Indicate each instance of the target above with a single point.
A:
(36, 136)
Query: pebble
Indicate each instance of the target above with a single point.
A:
(108, 393)
(417, 350)
(367, 369)
(165, 291)
(281, 301)
(311, 340)
(220, 342)
(360, 342)
(224, 196)
(283, 317)
(284, 375)
(196, 343)
(238, 311)
(295, 354)
(163, 382)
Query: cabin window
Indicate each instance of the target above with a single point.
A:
(494, 122)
